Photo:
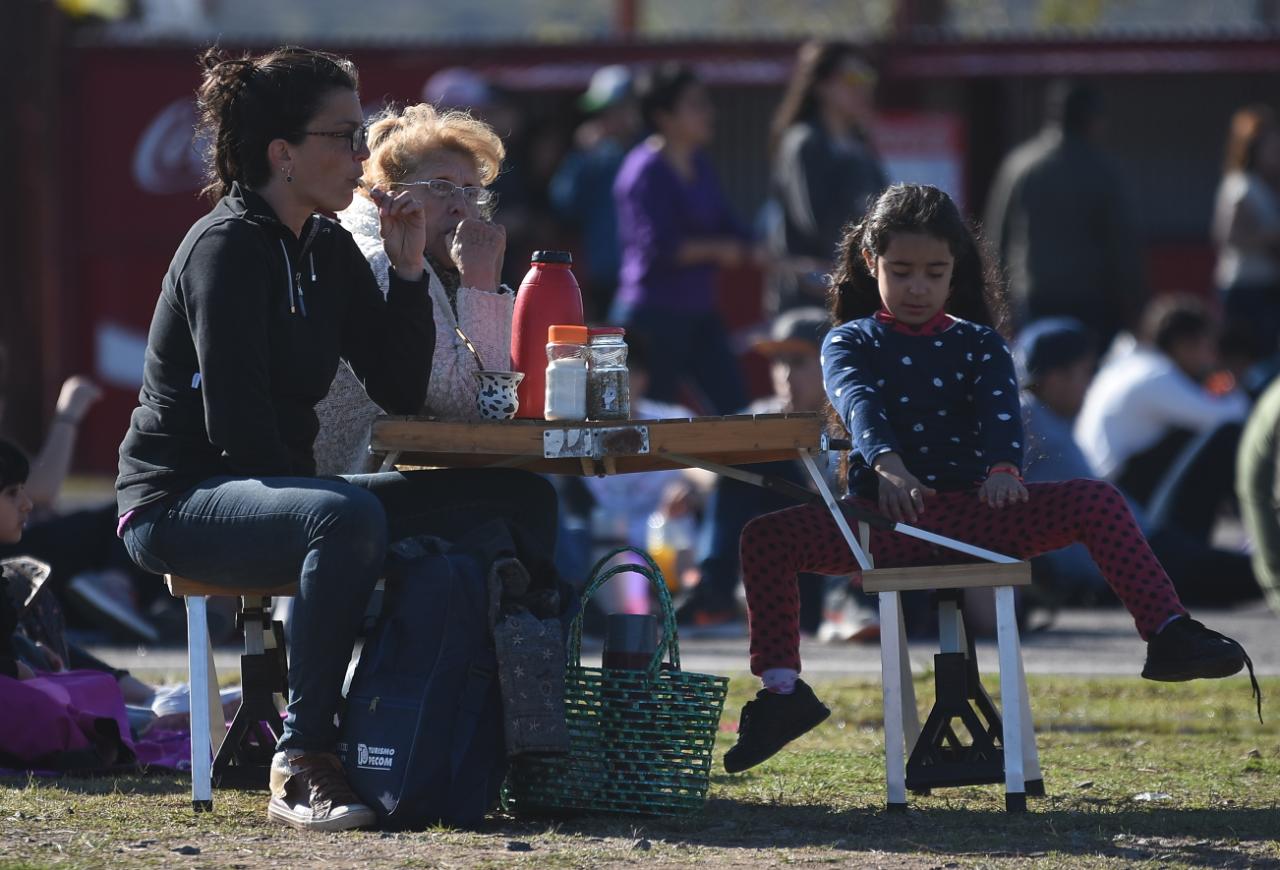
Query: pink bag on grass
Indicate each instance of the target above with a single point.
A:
(73, 719)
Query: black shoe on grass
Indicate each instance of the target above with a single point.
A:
(772, 721)
(1186, 650)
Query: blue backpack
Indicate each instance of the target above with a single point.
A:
(422, 734)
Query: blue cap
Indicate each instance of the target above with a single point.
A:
(1051, 343)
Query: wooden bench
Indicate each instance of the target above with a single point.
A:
(239, 756)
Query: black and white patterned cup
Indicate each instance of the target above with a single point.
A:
(496, 394)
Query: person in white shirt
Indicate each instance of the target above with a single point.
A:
(1056, 358)
(1144, 409)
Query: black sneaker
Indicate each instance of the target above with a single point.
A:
(772, 721)
(1186, 650)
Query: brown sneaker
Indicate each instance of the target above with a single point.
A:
(310, 792)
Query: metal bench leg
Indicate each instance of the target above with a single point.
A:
(891, 676)
(198, 662)
(1013, 701)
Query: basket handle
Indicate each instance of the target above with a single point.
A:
(668, 644)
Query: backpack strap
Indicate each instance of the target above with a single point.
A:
(470, 705)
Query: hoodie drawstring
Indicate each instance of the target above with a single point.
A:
(288, 270)
(299, 303)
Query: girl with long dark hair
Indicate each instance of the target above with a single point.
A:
(918, 375)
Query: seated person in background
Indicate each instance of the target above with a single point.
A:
(1258, 489)
(1145, 408)
(22, 657)
(793, 346)
(1056, 359)
(626, 504)
(15, 508)
(90, 571)
(443, 160)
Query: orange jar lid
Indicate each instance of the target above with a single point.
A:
(567, 334)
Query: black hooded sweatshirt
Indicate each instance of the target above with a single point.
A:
(245, 340)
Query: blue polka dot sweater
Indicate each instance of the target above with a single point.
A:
(944, 398)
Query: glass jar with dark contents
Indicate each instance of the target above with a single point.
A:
(608, 381)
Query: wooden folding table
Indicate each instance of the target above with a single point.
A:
(716, 444)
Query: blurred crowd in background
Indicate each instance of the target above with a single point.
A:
(1171, 396)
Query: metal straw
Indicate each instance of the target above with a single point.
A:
(471, 347)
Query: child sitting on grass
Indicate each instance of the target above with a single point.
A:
(15, 507)
(917, 373)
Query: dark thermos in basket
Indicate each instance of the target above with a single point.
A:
(630, 641)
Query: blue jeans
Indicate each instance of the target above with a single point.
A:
(329, 534)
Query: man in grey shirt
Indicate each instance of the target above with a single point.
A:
(1061, 222)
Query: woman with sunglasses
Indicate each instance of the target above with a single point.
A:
(825, 169)
(442, 159)
(263, 297)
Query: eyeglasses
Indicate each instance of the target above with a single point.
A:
(442, 188)
(357, 137)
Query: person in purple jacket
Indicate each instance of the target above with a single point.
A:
(916, 372)
(676, 231)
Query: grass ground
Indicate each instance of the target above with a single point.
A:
(1137, 774)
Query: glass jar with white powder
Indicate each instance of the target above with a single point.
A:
(566, 397)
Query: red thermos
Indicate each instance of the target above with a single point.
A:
(548, 296)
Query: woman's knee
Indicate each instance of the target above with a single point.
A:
(353, 516)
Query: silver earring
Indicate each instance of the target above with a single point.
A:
(288, 176)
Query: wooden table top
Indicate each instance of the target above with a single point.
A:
(597, 447)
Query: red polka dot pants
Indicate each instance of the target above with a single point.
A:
(776, 546)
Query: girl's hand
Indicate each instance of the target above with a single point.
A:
(1001, 488)
(902, 495)
(25, 672)
(477, 250)
(404, 231)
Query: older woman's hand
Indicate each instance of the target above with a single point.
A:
(478, 249)
(403, 225)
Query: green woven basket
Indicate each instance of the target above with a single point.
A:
(640, 741)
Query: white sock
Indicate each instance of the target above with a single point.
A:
(780, 680)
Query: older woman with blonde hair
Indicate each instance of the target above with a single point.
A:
(444, 159)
